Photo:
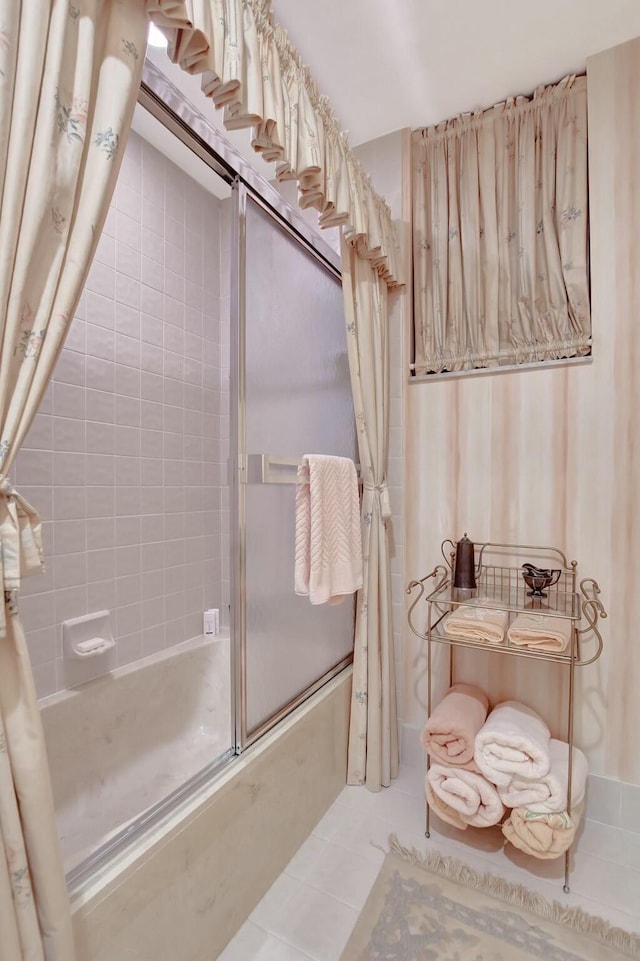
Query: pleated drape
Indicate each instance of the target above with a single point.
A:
(373, 730)
(69, 75)
(249, 68)
(501, 234)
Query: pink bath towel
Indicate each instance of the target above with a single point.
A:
(469, 794)
(328, 557)
(450, 733)
(444, 811)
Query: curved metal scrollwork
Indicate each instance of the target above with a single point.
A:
(439, 572)
(592, 611)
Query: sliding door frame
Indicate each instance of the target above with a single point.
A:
(168, 105)
(242, 196)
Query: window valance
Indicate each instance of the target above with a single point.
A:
(501, 234)
(250, 69)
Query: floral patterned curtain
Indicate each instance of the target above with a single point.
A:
(373, 731)
(249, 68)
(501, 234)
(69, 75)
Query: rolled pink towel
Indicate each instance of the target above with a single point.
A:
(444, 811)
(468, 793)
(450, 733)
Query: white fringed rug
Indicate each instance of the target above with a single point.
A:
(433, 908)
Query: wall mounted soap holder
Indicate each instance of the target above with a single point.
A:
(87, 636)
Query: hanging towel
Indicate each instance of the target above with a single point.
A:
(450, 733)
(541, 632)
(513, 741)
(480, 624)
(328, 561)
(548, 794)
(468, 793)
(545, 836)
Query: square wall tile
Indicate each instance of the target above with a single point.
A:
(630, 807)
(115, 458)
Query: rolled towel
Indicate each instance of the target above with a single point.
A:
(541, 632)
(450, 733)
(545, 836)
(548, 795)
(468, 793)
(444, 811)
(514, 741)
(475, 623)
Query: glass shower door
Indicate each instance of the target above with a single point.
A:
(295, 399)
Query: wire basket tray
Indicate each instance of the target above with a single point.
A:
(503, 588)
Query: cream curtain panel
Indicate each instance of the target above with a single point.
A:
(500, 234)
(373, 732)
(69, 74)
(249, 68)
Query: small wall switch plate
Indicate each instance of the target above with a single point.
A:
(211, 622)
(88, 636)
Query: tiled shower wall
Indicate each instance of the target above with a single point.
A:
(126, 460)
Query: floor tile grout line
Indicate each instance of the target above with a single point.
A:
(345, 847)
(279, 937)
(317, 888)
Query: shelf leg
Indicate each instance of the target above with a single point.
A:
(567, 856)
(427, 813)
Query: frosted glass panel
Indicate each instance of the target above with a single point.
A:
(298, 401)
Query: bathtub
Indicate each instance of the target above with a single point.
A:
(182, 887)
(126, 740)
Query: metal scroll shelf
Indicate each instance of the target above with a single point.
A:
(500, 586)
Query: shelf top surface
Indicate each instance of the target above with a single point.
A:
(503, 588)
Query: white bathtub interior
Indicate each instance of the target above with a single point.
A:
(124, 741)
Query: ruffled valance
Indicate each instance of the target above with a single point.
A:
(248, 67)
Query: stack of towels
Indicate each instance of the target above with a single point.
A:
(486, 625)
(480, 766)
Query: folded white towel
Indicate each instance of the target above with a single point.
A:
(328, 557)
(513, 741)
(467, 793)
(548, 795)
(541, 632)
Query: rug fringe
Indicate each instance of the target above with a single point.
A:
(521, 896)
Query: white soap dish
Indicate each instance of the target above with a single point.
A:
(87, 636)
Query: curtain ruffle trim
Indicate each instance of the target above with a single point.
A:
(248, 66)
(555, 350)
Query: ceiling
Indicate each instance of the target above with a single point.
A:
(409, 63)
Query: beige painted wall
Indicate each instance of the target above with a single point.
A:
(553, 456)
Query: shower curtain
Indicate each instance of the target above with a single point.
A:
(373, 730)
(69, 75)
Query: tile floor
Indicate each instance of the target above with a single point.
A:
(310, 910)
